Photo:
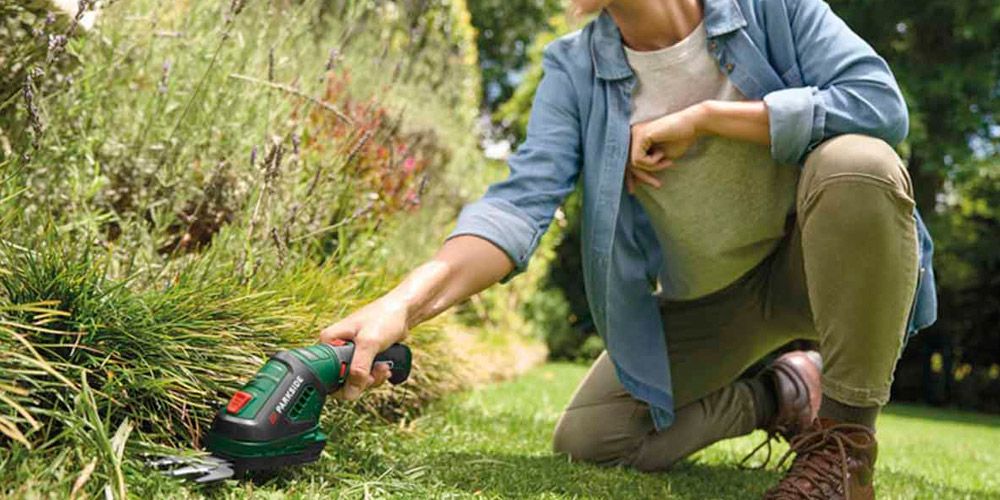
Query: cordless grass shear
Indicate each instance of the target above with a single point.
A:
(273, 421)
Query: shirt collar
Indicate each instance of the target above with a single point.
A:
(721, 17)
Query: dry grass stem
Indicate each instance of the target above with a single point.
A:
(297, 93)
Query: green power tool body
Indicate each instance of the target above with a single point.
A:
(273, 421)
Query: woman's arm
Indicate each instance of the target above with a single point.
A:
(463, 266)
(838, 85)
(494, 237)
(740, 120)
(656, 143)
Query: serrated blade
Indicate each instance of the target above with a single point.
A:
(200, 470)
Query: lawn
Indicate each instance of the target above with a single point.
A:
(494, 443)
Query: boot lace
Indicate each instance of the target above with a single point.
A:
(775, 432)
(771, 437)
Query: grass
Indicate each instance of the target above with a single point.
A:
(494, 442)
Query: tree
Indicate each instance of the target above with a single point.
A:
(506, 30)
(946, 56)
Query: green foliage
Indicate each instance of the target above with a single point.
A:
(945, 56)
(32, 37)
(229, 117)
(969, 263)
(162, 357)
(506, 30)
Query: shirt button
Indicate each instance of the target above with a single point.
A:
(713, 45)
(729, 67)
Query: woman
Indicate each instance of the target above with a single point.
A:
(740, 190)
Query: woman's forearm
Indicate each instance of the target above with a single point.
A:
(464, 266)
(740, 120)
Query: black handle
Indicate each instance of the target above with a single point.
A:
(399, 358)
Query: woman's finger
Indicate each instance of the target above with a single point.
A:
(646, 178)
(663, 164)
(381, 372)
(360, 376)
(359, 379)
(634, 153)
(647, 159)
(650, 158)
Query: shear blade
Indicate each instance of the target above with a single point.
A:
(164, 462)
(201, 470)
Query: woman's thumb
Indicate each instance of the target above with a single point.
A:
(344, 330)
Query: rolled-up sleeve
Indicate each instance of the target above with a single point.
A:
(846, 87)
(502, 224)
(515, 212)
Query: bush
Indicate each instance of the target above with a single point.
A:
(557, 305)
(954, 362)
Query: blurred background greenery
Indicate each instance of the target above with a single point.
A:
(946, 57)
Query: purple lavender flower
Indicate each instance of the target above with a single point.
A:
(164, 77)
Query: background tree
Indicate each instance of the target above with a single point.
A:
(506, 30)
(946, 56)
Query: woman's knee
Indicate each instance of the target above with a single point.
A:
(589, 435)
(598, 449)
(854, 157)
(575, 438)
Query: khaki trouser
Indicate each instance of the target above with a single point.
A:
(844, 275)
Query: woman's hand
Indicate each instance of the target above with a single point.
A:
(465, 265)
(373, 328)
(657, 143)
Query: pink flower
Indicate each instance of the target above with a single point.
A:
(412, 197)
(409, 165)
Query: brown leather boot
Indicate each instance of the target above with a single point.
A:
(833, 461)
(796, 378)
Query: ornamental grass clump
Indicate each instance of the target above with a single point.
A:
(163, 360)
(160, 358)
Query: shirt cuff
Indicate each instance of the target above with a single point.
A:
(797, 118)
(500, 223)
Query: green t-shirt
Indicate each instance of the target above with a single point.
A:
(722, 207)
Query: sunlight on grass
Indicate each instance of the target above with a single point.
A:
(495, 443)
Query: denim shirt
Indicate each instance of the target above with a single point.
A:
(817, 78)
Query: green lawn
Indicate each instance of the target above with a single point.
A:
(494, 443)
